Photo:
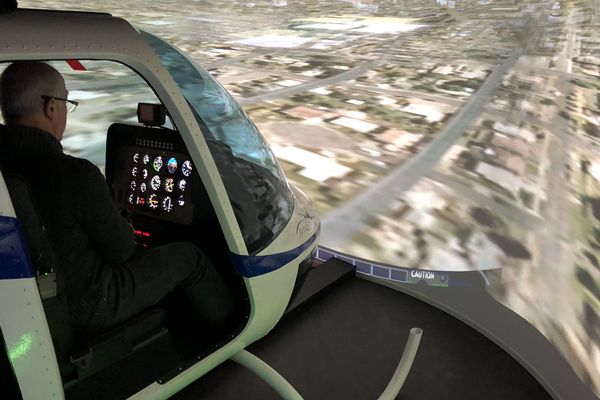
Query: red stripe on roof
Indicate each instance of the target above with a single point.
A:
(76, 65)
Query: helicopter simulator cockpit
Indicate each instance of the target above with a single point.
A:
(183, 162)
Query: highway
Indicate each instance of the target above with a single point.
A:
(556, 241)
(255, 53)
(353, 73)
(346, 221)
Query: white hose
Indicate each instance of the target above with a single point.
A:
(267, 374)
(410, 351)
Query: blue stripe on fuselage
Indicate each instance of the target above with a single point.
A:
(251, 266)
(14, 258)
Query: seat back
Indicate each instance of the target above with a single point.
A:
(40, 250)
(50, 280)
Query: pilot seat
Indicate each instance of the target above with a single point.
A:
(78, 356)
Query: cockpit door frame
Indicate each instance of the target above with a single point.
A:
(114, 39)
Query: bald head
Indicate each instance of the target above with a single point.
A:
(22, 85)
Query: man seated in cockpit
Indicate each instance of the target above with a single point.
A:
(106, 280)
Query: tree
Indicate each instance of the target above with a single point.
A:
(510, 246)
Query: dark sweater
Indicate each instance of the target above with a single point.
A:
(87, 233)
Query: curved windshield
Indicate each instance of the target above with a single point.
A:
(256, 186)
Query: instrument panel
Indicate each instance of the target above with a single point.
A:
(150, 173)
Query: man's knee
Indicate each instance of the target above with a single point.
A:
(181, 249)
(186, 259)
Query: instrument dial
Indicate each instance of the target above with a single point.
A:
(157, 163)
(169, 185)
(167, 204)
(153, 201)
(172, 165)
(155, 182)
(186, 168)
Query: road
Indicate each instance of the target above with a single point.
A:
(255, 53)
(557, 210)
(346, 221)
(554, 298)
(353, 73)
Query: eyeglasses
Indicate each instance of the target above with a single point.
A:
(71, 104)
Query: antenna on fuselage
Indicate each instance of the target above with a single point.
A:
(7, 6)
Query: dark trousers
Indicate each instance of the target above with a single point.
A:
(151, 275)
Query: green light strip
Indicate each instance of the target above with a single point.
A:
(21, 348)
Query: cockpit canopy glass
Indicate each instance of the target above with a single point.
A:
(258, 191)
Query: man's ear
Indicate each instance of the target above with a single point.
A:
(49, 108)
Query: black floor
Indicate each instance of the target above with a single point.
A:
(347, 346)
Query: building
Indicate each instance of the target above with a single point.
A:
(303, 112)
(315, 166)
(510, 143)
(516, 164)
(500, 176)
(595, 170)
(288, 83)
(399, 138)
(428, 111)
(356, 124)
(514, 131)
(444, 69)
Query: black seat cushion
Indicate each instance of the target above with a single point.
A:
(40, 250)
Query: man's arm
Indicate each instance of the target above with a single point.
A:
(109, 232)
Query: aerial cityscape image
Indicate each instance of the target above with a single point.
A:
(446, 135)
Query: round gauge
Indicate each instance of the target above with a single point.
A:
(181, 185)
(130, 199)
(169, 184)
(141, 201)
(134, 172)
(167, 204)
(180, 200)
(186, 168)
(155, 182)
(144, 173)
(157, 163)
(172, 165)
(136, 158)
(133, 185)
(146, 159)
(153, 201)
(143, 187)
